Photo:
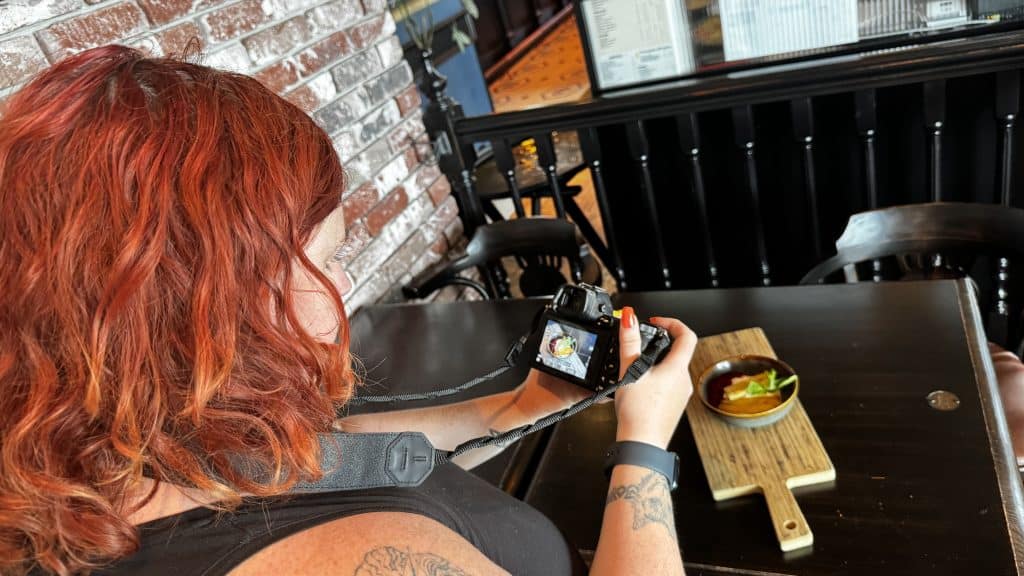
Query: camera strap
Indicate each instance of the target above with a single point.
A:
(510, 362)
(354, 461)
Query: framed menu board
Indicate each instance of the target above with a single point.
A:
(756, 28)
(629, 42)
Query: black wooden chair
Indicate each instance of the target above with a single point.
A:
(500, 175)
(539, 245)
(936, 240)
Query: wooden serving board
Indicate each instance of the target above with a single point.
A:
(771, 459)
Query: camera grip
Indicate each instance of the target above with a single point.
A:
(654, 341)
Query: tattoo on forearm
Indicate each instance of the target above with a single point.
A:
(651, 501)
(390, 561)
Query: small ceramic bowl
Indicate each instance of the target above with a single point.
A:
(749, 365)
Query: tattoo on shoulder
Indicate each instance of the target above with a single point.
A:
(651, 501)
(391, 561)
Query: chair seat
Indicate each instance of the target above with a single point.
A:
(540, 280)
(491, 184)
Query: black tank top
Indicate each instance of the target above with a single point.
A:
(202, 542)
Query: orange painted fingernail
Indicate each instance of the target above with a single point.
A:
(628, 317)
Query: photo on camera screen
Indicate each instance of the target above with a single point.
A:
(567, 348)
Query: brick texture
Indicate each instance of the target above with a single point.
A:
(278, 76)
(337, 14)
(392, 173)
(427, 175)
(101, 27)
(174, 40)
(353, 72)
(404, 134)
(374, 6)
(234, 20)
(367, 33)
(345, 145)
(386, 85)
(164, 11)
(441, 218)
(270, 44)
(322, 53)
(20, 58)
(313, 94)
(359, 202)
(338, 60)
(390, 52)
(439, 190)
(336, 116)
(386, 210)
(369, 162)
(231, 57)
(378, 123)
(14, 15)
(408, 100)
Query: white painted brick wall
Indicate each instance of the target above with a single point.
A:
(338, 59)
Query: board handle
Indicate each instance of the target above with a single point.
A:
(790, 525)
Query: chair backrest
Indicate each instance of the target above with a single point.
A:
(520, 237)
(944, 229)
(524, 237)
(933, 228)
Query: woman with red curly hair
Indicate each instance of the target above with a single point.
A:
(166, 313)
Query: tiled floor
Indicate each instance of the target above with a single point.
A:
(553, 72)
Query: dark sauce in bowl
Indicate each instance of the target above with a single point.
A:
(716, 387)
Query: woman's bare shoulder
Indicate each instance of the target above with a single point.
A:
(375, 544)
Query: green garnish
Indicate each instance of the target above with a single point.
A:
(755, 388)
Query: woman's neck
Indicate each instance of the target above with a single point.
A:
(168, 500)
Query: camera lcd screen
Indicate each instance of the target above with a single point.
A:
(566, 348)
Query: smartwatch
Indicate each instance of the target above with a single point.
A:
(646, 456)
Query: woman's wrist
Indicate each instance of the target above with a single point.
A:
(537, 400)
(652, 437)
(536, 403)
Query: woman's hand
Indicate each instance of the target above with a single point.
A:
(1010, 377)
(649, 409)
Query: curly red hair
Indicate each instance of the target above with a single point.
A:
(154, 216)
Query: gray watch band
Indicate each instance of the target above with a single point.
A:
(644, 455)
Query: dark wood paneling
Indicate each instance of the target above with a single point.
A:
(491, 41)
(505, 24)
(520, 20)
(545, 9)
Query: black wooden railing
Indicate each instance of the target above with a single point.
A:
(748, 177)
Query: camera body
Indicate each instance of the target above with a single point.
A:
(579, 338)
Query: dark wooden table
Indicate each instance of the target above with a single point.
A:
(918, 491)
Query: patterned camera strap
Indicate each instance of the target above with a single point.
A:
(404, 459)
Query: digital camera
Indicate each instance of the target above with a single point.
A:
(579, 339)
